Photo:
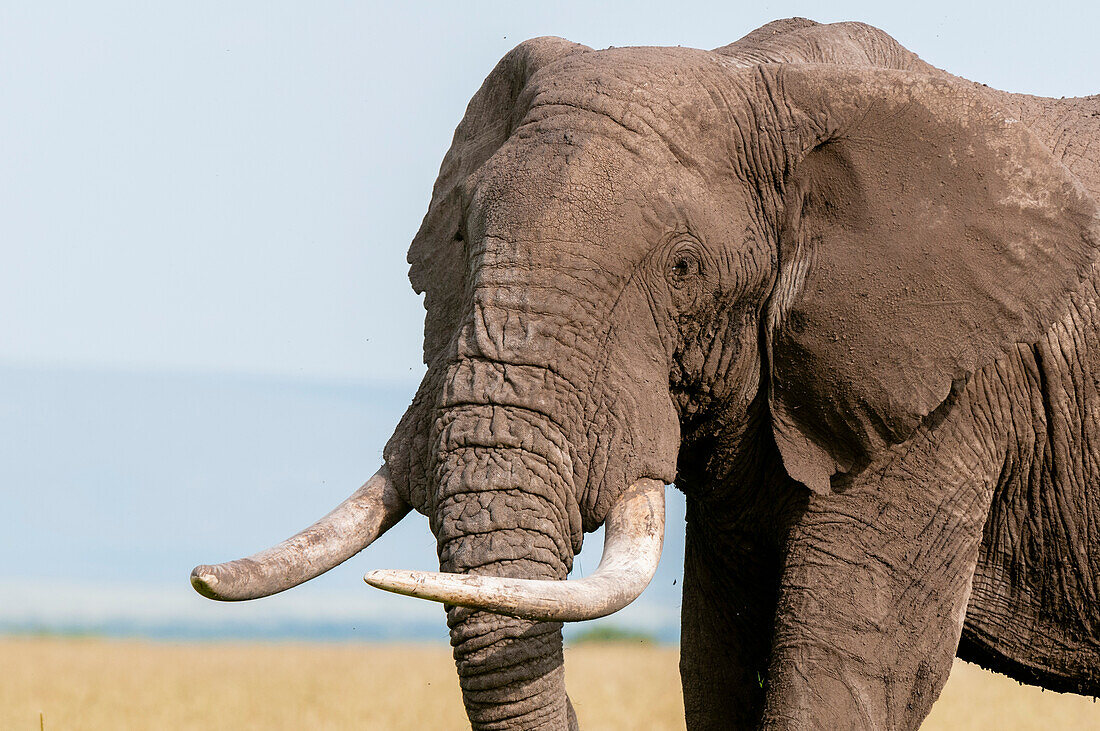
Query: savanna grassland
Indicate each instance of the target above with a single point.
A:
(99, 684)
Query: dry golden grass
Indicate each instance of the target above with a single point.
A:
(99, 684)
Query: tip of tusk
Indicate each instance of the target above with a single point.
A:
(205, 582)
(397, 581)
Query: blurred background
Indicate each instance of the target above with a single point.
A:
(206, 330)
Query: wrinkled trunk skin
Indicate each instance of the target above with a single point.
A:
(511, 671)
(530, 423)
(505, 506)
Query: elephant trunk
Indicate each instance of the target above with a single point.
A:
(511, 670)
(505, 507)
(514, 448)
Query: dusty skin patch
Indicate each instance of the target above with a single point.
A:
(100, 684)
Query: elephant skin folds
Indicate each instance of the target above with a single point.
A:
(846, 301)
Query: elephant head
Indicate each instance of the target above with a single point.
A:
(634, 252)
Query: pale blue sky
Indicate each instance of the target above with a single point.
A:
(232, 186)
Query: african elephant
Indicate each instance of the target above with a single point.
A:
(846, 301)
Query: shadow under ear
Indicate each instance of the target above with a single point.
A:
(925, 233)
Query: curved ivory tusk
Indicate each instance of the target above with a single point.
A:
(634, 533)
(348, 529)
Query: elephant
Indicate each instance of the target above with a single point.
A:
(845, 301)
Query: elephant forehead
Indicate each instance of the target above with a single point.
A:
(613, 151)
(561, 194)
(670, 104)
(547, 179)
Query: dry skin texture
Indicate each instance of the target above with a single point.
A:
(94, 684)
(807, 259)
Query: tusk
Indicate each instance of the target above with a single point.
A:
(634, 532)
(352, 526)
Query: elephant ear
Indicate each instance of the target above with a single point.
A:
(436, 254)
(925, 233)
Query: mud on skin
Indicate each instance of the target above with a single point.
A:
(845, 300)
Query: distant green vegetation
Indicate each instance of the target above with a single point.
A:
(611, 633)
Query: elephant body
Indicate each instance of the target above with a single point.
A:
(846, 301)
(1033, 610)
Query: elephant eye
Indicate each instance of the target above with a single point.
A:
(683, 266)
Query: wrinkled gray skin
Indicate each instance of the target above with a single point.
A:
(846, 301)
